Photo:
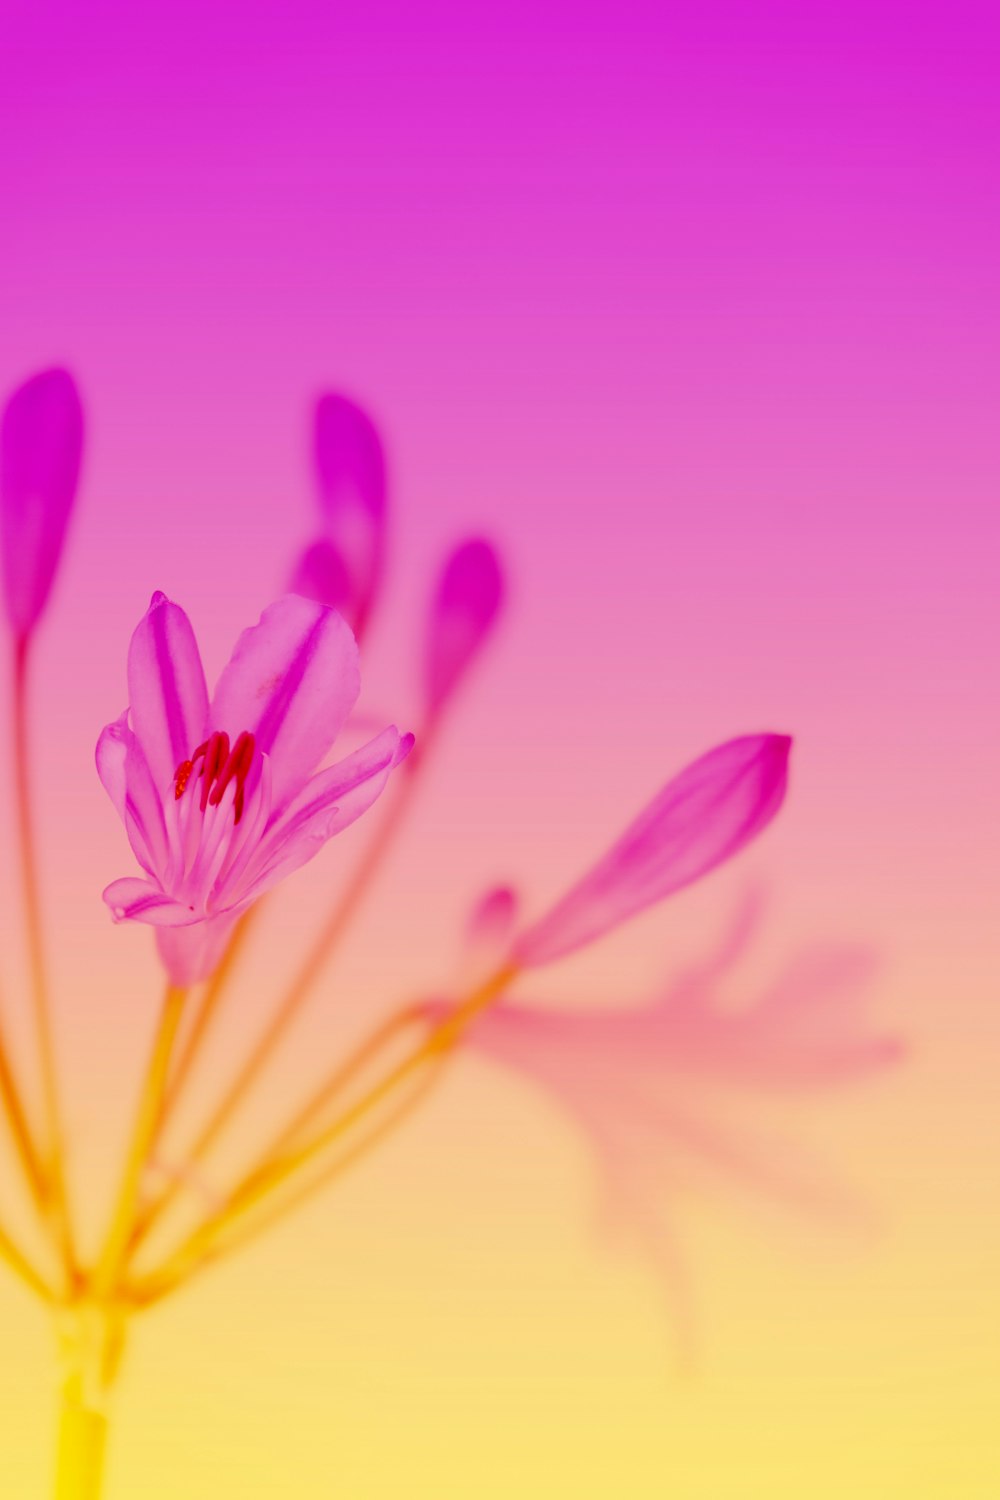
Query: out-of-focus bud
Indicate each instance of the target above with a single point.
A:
(321, 574)
(468, 599)
(41, 444)
(704, 816)
(351, 478)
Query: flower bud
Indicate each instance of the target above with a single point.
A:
(41, 443)
(468, 600)
(700, 819)
(351, 477)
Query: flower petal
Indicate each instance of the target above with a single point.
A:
(701, 818)
(127, 780)
(466, 605)
(168, 698)
(329, 803)
(41, 445)
(135, 900)
(291, 681)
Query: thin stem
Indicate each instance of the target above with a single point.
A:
(244, 1235)
(327, 1091)
(18, 1262)
(262, 1181)
(150, 1104)
(24, 1142)
(290, 1006)
(336, 1081)
(36, 953)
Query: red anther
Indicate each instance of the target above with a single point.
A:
(216, 755)
(237, 768)
(219, 766)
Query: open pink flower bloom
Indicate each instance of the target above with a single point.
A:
(665, 1091)
(704, 816)
(219, 798)
(343, 568)
(40, 450)
(465, 608)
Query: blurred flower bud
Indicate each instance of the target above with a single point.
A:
(350, 470)
(40, 449)
(467, 602)
(321, 574)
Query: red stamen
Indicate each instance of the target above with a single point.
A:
(237, 768)
(216, 755)
(219, 766)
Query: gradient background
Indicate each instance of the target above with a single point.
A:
(695, 309)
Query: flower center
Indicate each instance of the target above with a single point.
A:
(217, 765)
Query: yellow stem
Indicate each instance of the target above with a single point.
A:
(112, 1256)
(82, 1438)
(207, 1011)
(244, 1234)
(262, 1181)
(290, 1006)
(337, 1081)
(91, 1337)
(18, 1262)
(58, 1200)
(24, 1143)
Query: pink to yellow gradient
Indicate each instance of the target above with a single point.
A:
(693, 310)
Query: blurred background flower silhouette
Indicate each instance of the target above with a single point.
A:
(692, 312)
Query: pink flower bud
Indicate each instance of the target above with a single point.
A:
(468, 600)
(351, 476)
(321, 574)
(701, 818)
(40, 448)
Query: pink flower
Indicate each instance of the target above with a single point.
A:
(703, 817)
(466, 605)
(649, 1083)
(343, 568)
(218, 797)
(40, 450)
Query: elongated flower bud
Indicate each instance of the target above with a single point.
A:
(468, 600)
(704, 816)
(351, 478)
(40, 449)
(322, 574)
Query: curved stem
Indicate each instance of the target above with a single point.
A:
(36, 953)
(150, 1104)
(262, 1181)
